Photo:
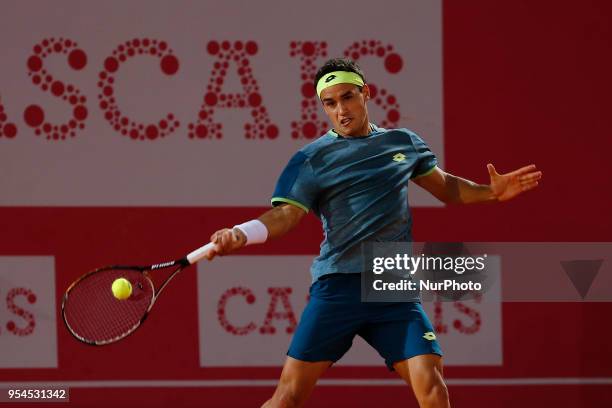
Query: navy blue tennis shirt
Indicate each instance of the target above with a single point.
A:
(358, 187)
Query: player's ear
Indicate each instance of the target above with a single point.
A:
(365, 90)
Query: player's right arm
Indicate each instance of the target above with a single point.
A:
(281, 219)
(278, 221)
(295, 193)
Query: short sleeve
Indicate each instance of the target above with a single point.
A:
(426, 160)
(296, 184)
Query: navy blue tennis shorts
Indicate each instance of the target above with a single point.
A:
(335, 314)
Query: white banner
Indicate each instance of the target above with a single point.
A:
(28, 334)
(158, 103)
(249, 307)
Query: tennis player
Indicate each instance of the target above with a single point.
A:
(355, 179)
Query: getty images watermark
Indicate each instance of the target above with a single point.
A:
(424, 263)
(534, 271)
(395, 272)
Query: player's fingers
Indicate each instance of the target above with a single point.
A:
(529, 186)
(216, 239)
(210, 255)
(527, 178)
(491, 169)
(219, 244)
(226, 240)
(229, 240)
(215, 236)
(525, 170)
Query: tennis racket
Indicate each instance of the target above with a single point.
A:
(95, 316)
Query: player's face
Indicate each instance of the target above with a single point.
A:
(346, 108)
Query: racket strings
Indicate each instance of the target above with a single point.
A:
(94, 314)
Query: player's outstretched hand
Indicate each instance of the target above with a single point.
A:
(507, 186)
(226, 241)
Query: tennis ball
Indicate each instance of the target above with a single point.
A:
(122, 289)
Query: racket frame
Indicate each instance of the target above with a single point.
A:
(145, 271)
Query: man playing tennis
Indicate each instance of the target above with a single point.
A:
(355, 179)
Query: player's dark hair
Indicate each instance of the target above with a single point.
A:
(338, 64)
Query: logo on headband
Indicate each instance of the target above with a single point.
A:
(330, 78)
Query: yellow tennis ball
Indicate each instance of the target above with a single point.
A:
(122, 288)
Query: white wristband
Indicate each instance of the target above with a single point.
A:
(255, 232)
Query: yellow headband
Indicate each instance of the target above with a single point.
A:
(338, 77)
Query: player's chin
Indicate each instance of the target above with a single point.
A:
(348, 129)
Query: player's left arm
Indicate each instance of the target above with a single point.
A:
(449, 188)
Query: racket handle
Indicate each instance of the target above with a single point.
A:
(199, 253)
